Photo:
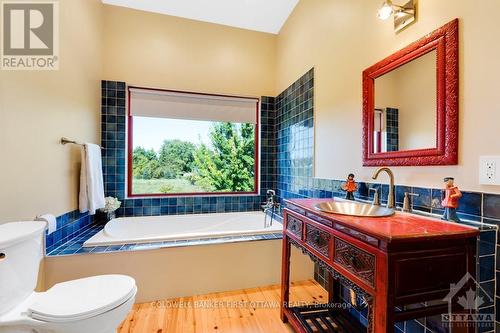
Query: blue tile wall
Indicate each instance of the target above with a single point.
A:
(113, 137)
(268, 145)
(294, 139)
(113, 120)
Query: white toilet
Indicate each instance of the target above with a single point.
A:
(91, 305)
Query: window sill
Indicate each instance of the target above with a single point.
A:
(192, 195)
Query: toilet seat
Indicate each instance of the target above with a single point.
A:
(82, 299)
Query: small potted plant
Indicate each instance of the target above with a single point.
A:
(110, 207)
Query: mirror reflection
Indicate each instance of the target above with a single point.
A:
(406, 107)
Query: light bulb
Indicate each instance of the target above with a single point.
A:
(385, 11)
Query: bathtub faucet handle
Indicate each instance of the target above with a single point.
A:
(270, 206)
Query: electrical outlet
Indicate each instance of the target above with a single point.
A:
(488, 170)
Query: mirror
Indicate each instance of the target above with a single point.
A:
(405, 106)
(410, 103)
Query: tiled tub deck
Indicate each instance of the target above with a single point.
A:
(75, 245)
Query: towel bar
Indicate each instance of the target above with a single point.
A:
(65, 141)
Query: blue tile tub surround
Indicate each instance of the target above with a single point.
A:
(114, 118)
(69, 226)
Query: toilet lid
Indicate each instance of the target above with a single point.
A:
(83, 298)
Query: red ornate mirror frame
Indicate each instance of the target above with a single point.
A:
(445, 41)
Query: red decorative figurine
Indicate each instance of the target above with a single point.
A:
(451, 195)
(350, 187)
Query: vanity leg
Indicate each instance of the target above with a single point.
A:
(463, 329)
(383, 312)
(285, 278)
(333, 289)
(471, 268)
(383, 317)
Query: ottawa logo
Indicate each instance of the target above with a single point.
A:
(468, 305)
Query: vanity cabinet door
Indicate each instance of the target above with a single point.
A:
(319, 240)
(294, 225)
(355, 260)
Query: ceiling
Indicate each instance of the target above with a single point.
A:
(259, 15)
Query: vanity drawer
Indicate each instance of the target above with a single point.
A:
(355, 260)
(319, 240)
(319, 219)
(296, 209)
(356, 234)
(294, 225)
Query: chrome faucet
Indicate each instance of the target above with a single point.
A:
(270, 206)
(391, 198)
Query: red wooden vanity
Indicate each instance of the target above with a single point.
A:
(392, 262)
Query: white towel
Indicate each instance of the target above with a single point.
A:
(91, 181)
(50, 220)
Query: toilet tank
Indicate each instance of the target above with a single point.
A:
(20, 255)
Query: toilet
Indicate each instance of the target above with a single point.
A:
(95, 304)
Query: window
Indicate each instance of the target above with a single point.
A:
(190, 143)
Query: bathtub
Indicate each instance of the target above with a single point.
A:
(152, 229)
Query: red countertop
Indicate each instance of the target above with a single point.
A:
(398, 227)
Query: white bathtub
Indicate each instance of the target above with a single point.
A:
(151, 229)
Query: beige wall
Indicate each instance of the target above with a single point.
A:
(341, 38)
(37, 174)
(412, 90)
(338, 38)
(167, 52)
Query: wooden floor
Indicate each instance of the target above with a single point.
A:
(250, 310)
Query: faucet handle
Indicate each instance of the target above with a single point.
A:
(406, 201)
(376, 198)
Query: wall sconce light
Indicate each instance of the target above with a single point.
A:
(403, 15)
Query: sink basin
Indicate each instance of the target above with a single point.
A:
(353, 208)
